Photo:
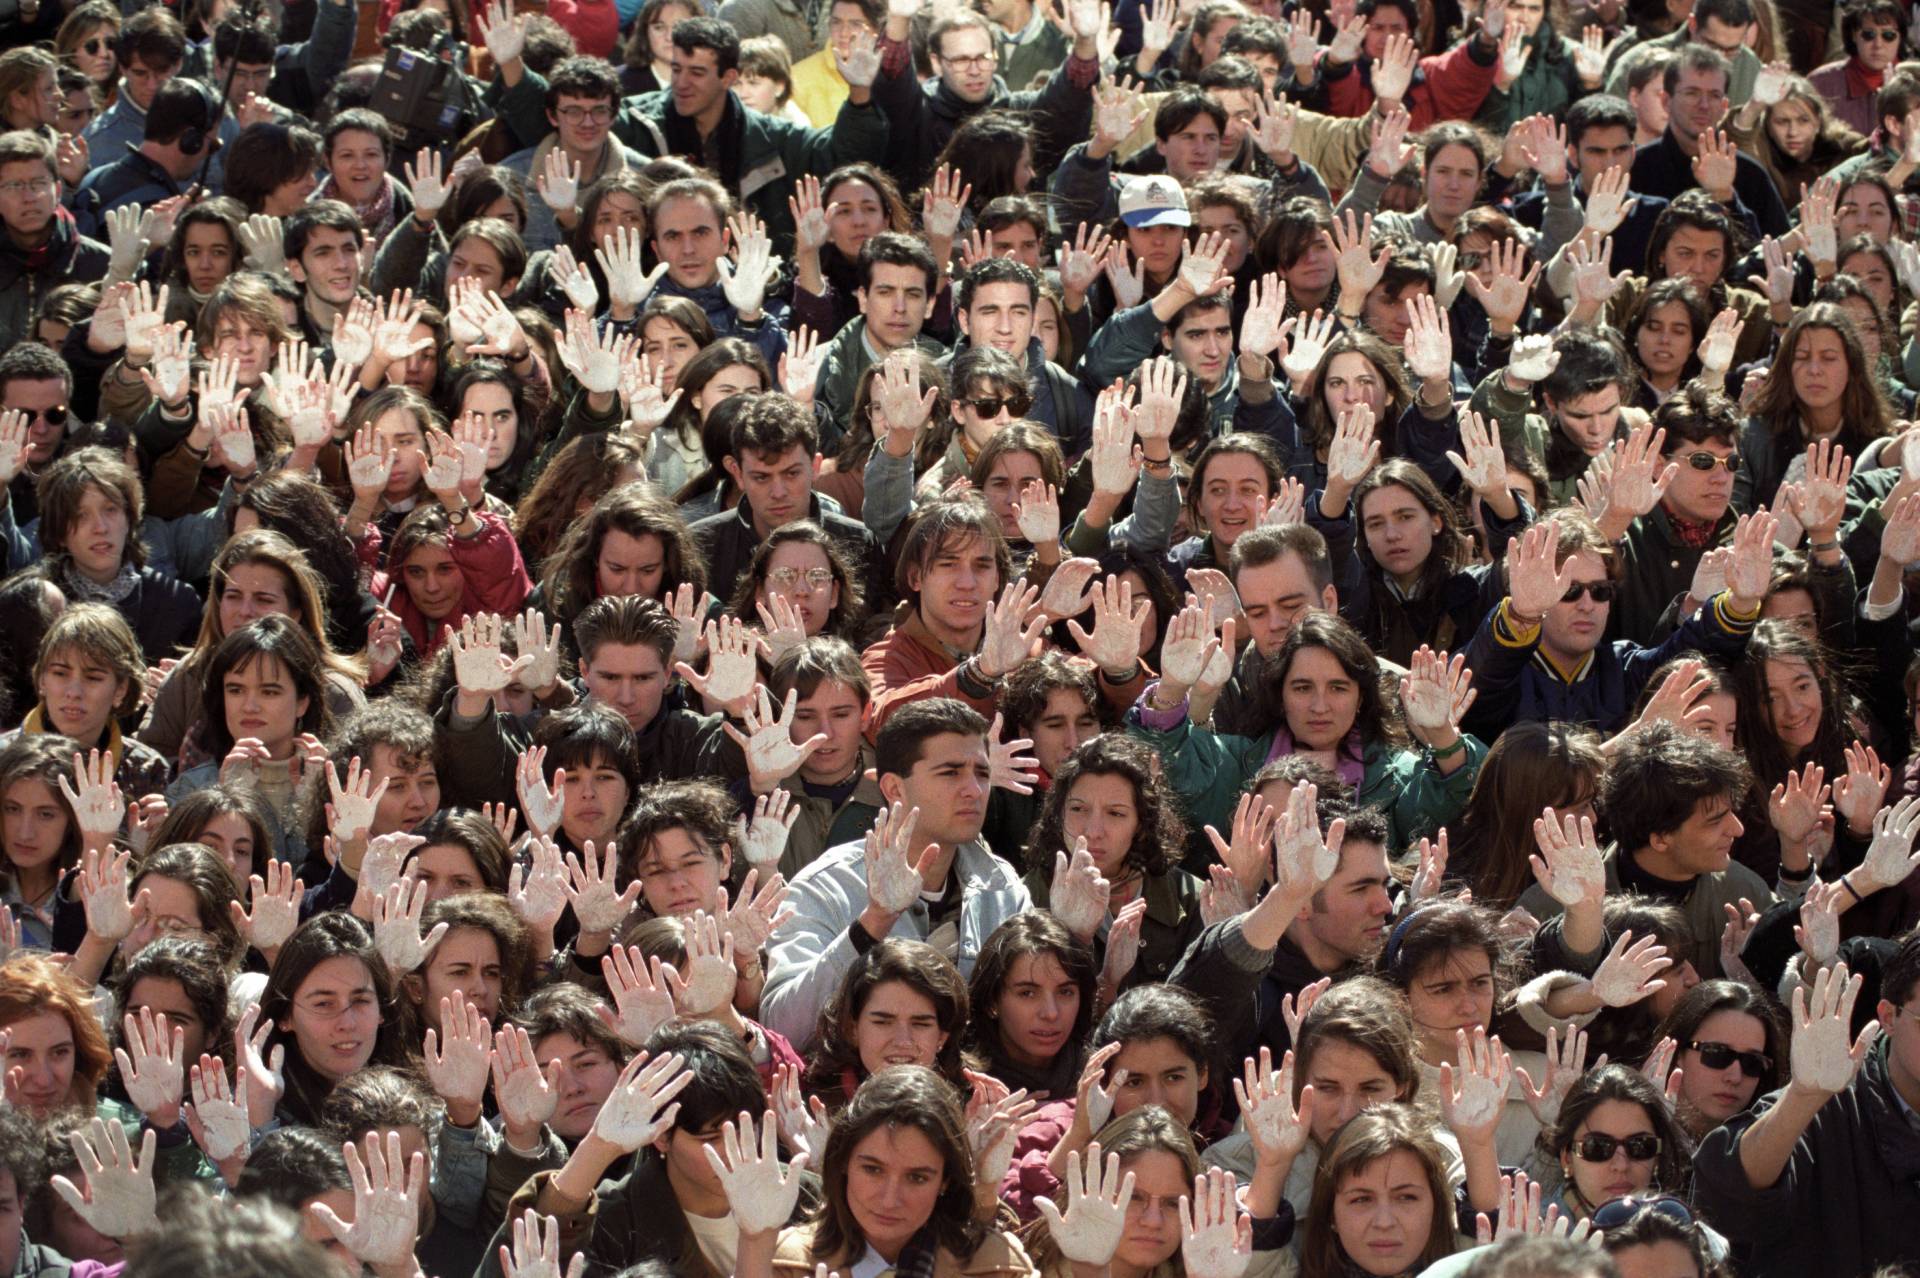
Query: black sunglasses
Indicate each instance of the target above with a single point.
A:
(1597, 1148)
(51, 416)
(990, 406)
(1881, 36)
(1707, 461)
(95, 46)
(1624, 1211)
(1602, 591)
(1720, 1055)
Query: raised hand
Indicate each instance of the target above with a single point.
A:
(732, 668)
(1301, 360)
(536, 1254)
(1129, 283)
(217, 1115)
(1390, 151)
(1823, 1064)
(1818, 218)
(859, 66)
(1629, 971)
(1079, 893)
(803, 1120)
(1204, 268)
(1485, 465)
(1473, 1094)
(1279, 1127)
(1777, 283)
(262, 241)
(1857, 795)
(1890, 857)
(642, 995)
(1393, 71)
(103, 889)
(119, 1201)
(387, 1192)
(597, 901)
(1216, 1237)
(1797, 805)
(97, 806)
(457, 1056)
(1716, 164)
(396, 927)
(538, 894)
(1114, 645)
(1088, 1232)
(151, 1067)
(894, 882)
(945, 199)
(763, 841)
(1358, 268)
(1569, 864)
(504, 31)
(1504, 298)
(1566, 1062)
(1818, 931)
(745, 275)
(761, 1197)
(1009, 637)
(543, 803)
(753, 919)
(772, 753)
(1436, 696)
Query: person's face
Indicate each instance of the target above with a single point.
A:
(506, 211)
(894, 1178)
(1385, 21)
(1231, 493)
(76, 113)
(33, 824)
(837, 711)
(1453, 180)
(1400, 531)
(244, 78)
(667, 347)
(1037, 1009)
(42, 1047)
(1696, 254)
(1877, 44)
(1649, 105)
(845, 23)
(494, 403)
(252, 591)
(1665, 339)
(1224, 220)
(229, 834)
(687, 237)
(447, 869)
(1273, 598)
(207, 252)
(896, 304)
(433, 581)
(1151, 1236)
(949, 785)
(1349, 915)
(334, 1018)
(1872, 272)
(1589, 420)
(855, 214)
(1601, 147)
(1662, 1258)
(679, 874)
(897, 1025)
(660, 30)
(1796, 608)
(965, 62)
(1158, 247)
(357, 161)
(1351, 378)
(26, 197)
(1001, 316)
(1314, 270)
(1794, 703)
(174, 910)
(41, 399)
(1574, 628)
(1719, 1094)
(597, 797)
(618, 211)
(287, 199)
(1864, 210)
(263, 702)
(1019, 241)
(1346, 1080)
(467, 960)
(1159, 1072)
(422, 368)
(735, 379)
(1526, 14)
(1453, 992)
(93, 56)
(587, 1077)
(1011, 473)
(141, 80)
(957, 584)
(1383, 1214)
(474, 258)
(1819, 368)
(1720, 716)
(413, 790)
(1208, 45)
(1064, 723)
(629, 565)
(798, 571)
(37, 106)
(1703, 844)
(1619, 1175)
(631, 678)
(247, 344)
(1902, 1030)
(980, 426)
(1193, 150)
(164, 997)
(1701, 495)
(399, 430)
(1203, 344)
(698, 84)
(1103, 809)
(1320, 700)
(1240, 109)
(583, 123)
(69, 1233)
(778, 486)
(1699, 98)
(1793, 126)
(79, 693)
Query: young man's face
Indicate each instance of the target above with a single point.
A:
(1699, 98)
(27, 197)
(1602, 147)
(957, 584)
(949, 785)
(1723, 38)
(1241, 108)
(1192, 150)
(1202, 342)
(896, 304)
(1704, 842)
(1573, 627)
(1349, 915)
(1588, 420)
(248, 78)
(329, 265)
(43, 400)
(1064, 722)
(837, 712)
(583, 122)
(1019, 241)
(1649, 103)
(687, 236)
(413, 790)
(699, 86)
(290, 196)
(1273, 598)
(1000, 315)
(966, 62)
(779, 487)
(141, 80)
(630, 678)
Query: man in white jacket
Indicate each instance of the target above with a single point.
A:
(922, 873)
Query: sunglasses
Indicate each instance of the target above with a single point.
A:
(1707, 461)
(1597, 1148)
(98, 46)
(1720, 1055)
(1602, 591)
(1881, 37)
(51, 416)
(1624, 1211)
(990, 406)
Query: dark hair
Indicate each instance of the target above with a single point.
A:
(891, 248)
(1599, 111)
(821, 659)
(1451, 550)
(218, 211)
(1865, 415)
(266, 156)
(725, 1079)
(700, 809)
(709, 33)
(1242, 443)
(358, 120)
(942, 525)
(1159, 835)
(481, 187)
(995, 270)
(46, 757)
(529, 408)
(478, 837)
(1028, 933)
(1534, 764)
(1025, 689)
(1373, 721)
(582, 77)
(1386, 362)
(1455, 133)
(189, 817)
(1366, 1013)
(324, 936)
(154, 36)
(274, 638)
(1258, 547)
(197, 968)
(1159, 1010)
(1698, 57)
(486, 912)
(206, 874)
(1182, 107)
(63, 486)
(1368, 1137)
(291, 1166)
(847, 615)
(1664, 292)
(986, 147)
(771, 425)
(584, 470)
(566, 1008)
(1759, 743)
(507, 244)
(627, 619)
(1695, 414)
(301, 509)
(201, 1234)
(570, 575)
(1542, 1256)
(1902, 972)
(581, 737)
(1295, 227)
(1698, 211)
(1658, 776)
(901, 742)
(1650, 1228)
(1616, 1082)
(1683, 1021)
(179, 105)
(919, 967)
(903, 1096)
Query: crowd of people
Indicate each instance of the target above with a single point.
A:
(891, 639)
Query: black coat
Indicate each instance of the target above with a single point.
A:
(729, 541)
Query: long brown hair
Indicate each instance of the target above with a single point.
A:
(1531, 766)
(570, 575)
(1378, 1133)
(1864, 415)
(1393, 379)
(1149, 1129)
(919, 967)
(583, 471)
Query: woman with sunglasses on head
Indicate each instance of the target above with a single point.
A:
(1658, 1236)
(1820, 386)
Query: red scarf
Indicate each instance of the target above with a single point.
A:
(1689, 533)
(1862, 82)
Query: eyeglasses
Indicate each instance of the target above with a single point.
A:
(1707, 461)
(1595, 1147)
(1470, 261)
(1882, 36)
(788, 578)
(974, 60)
(1721, 1055)
(51, 416)
(32, 186)
(1624, 1211)
(574, 114)
(1017, 403)
(1601, 591)
(95, 46)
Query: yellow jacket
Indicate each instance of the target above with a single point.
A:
(818, 88)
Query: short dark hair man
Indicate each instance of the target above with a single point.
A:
(179, 131)
(150, 49)
(899, 286)
(323, 243)
(47, 250)
(994, 305)
(34, 380)
(583, 96)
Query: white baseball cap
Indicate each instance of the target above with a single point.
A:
(1153, 201)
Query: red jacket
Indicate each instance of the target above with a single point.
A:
(911, 665)
(1447, 86)
(495, 580)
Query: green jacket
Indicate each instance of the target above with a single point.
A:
(1547, 86)
(1211, 770)
(772, 152)
(845, 363)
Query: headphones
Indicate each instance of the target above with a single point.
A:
(194, 137)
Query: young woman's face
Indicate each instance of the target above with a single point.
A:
(1665, 340)
(447, 869)
(1864, 211)
(1721, 1093)
(1320, 699)
(400, 431)
(79, 694)
(1232, 494)
(1103, 809)
(1453, 993)
(173, 909)
(422, 368)
(660, 31)
(618, 211)
(1400, 531)
(894, 1178)
(33, 823)
(794, 572)
(206, 250)
(494, 403)
(263, 703)
(1152, 1232)
(413, 791)
(93, 55)
(1793, 127)
(164, 997)
(1046, 327)
(433, 581)
(1795, 607)
(855, 214)
(587, 1077)
(229, 834)
(249, 345)
(1819, 369)
(1794, 702)
(1383, 1214)
(1346, 1080)
(628, 565)
(759, 93)
(506, 211)
(252, 591)
(679, 874)
(667, 347)
(735, 379)
(1012, 471)
(1159, 1072)
(1872, 272)
(97, 537)
(335, 1017)
(1722, 715)
(1037, 1009)
(596, 800)
(467, 960)
(1621, 1174)
(358, 164)
(42, 1048)
(1350, 380)
(897, 1025)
